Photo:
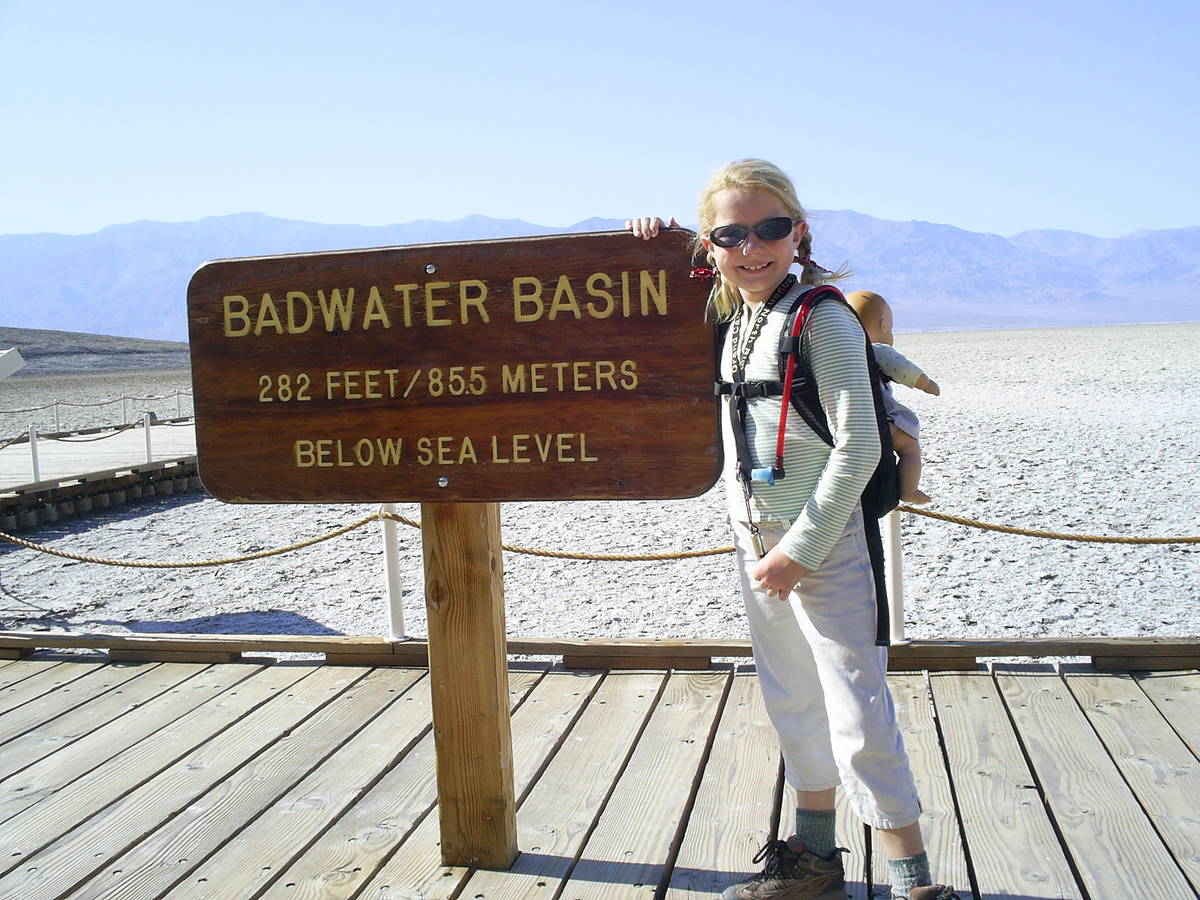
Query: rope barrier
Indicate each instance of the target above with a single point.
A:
(89, 440)
(556, 554)
(1048, 535)
(6, 412)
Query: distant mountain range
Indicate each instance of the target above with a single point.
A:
(131, 280)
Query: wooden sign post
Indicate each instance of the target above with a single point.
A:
(458, 376)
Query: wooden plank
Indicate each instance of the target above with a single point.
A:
(627, 852)
(81, 844)
(464, 602)
(559, 811)
(1151, 662)
(284, 797)
(181, 656)
(58, 770)
(54, 736)
(1115, 849)
(1177, 697)
(733, 814)
(44, 682)
(417, 870)
(15, 672)
(851, 836)
(616, 661)
(50, 806)
(1158, 766)
(1013, 845)
(919, 654)
(15, 722)
(939, 814)
(379, 826)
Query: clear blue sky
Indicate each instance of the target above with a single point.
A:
(994, 117)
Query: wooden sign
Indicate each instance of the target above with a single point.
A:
(564, 367)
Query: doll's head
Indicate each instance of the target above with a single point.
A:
(874, 313)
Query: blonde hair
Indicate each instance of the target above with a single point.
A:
(754, 175)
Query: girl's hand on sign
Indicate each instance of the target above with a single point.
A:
(648, 227)
(777, 574)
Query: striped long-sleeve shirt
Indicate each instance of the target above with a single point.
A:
(822, 484)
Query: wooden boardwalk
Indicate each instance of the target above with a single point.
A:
(300, 780)
(73, 457)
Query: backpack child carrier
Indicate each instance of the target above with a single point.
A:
(796, 381)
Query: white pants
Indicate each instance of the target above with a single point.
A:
(824, 681)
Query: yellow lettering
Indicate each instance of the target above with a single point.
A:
(371, 384)
(496, 457)
(520, 445)
(609, 305)
(558, 368)
(389, 450)
(350, 383)
(625, 294)
(424, 451)
(268, 316)
(578, 373)
(629, 379)
(375, 311)
(583, 454)
(406, 291)
(364, 452)
(306, 456)
(543, 449)
(649, 291)
(465, 300)
(241, 313)
(605, 369)
(513, 380)
(564, 447)
(341, 460)
(467, 452)
(431, 303)
(563, 290)
(537, 374)
(293, 298)
(336, 312)
(521, 298)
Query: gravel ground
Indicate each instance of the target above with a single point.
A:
(1087, 430)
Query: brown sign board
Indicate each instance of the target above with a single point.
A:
(547, 368)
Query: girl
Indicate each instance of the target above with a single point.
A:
(810, 599)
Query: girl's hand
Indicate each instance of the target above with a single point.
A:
(777, 574)
(648, 226)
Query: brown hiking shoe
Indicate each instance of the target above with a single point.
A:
(933, 892)
(791, 875)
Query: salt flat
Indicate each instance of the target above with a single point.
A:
(1089, 430)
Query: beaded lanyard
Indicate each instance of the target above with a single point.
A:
(739, 358)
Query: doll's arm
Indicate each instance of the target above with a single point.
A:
(928, 385)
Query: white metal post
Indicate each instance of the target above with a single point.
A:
(37, 472)
(124, 413)
(391, 571)
(179, 404)
(57, 424)
(146, 426)
(894, 571)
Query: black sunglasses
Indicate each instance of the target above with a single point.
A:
(776, 229)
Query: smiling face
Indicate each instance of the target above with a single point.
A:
(757, 266)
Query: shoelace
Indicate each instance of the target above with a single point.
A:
(773, 854)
